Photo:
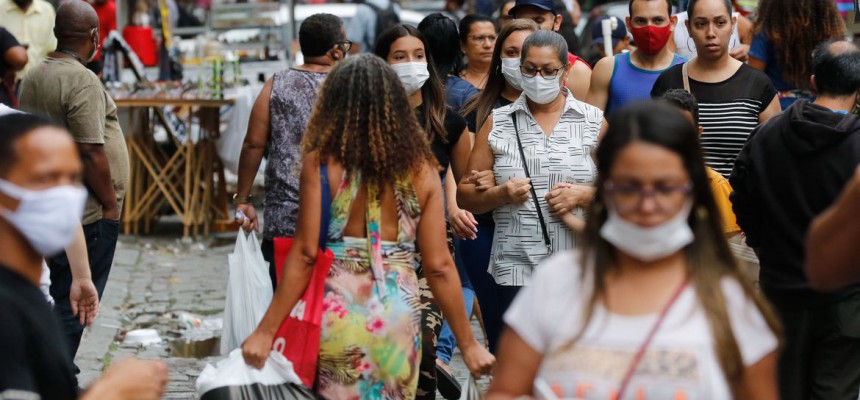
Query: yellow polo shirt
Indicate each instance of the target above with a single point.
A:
(722, 189)
(34, 27)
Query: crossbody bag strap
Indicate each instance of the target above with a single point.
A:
(685, 77)
(546, 239)
(325, 214)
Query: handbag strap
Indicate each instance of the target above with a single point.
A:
(325, 214)
(648, 339)
(546, 239)
(685, 77)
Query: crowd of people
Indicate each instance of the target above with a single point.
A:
(678, 222)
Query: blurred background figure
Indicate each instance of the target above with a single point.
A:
(13, 58)
(31, 22)
(620, 40)
(477, 38)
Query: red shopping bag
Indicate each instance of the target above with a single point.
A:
(298, 337)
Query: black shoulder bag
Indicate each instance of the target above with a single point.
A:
(546, 240)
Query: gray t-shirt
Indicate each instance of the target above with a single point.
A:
(64, 90)
(290, 105)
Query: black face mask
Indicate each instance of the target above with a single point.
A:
(23, 4)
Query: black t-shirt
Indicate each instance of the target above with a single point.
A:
(7, 41)
(455, 124)
(728, 110)
(33, 356)
(471, 118)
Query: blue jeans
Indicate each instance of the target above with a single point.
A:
(476, 257)
(447, 341)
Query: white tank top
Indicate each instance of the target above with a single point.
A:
(685, 46)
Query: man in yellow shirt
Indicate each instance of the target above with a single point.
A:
(32, 24)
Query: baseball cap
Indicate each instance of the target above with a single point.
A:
(546, 5)
(620, 32)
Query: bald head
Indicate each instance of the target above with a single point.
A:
(836, 68)
(75, 21)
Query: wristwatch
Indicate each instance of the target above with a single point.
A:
(241, 200)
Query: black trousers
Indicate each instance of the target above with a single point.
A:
(821, 356)
(101, 238)
(267, 246)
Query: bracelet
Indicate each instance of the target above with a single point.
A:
(241, 200)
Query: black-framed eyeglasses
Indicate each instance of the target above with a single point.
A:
(344, 45)
(628, 198)
(546, 72)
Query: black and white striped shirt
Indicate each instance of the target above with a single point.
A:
(728, 110)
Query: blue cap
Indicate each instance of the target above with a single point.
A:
(620, 32)
(546, 5)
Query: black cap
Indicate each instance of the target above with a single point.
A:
(546, 5)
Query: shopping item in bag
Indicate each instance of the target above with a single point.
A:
(471, 390)
(232, 379)
(298, 337)
(249, 291)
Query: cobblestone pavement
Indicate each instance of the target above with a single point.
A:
(152, 281)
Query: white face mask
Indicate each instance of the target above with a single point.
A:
(511, 71)
(540, 90)
(412, 75)
(649, 244)
(47, 218)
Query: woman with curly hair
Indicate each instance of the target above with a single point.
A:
(785, 33)
(361, 142)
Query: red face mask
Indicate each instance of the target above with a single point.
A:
(651, 39)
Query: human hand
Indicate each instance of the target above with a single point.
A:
(130, 379)
(110, 212)
(256, 349)
(516, 190)
(564, 197)
(249, 223)
(84, 299)
(482, 180)
(477, 358)
(463, 224)
(741, 53)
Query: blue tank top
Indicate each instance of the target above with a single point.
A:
(630, 83)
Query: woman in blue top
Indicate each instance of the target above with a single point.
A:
(786, 32)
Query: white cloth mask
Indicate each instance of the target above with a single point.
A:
(649, 244)
(511, 71)
(540, 90)
(48, 218)
(412, 75)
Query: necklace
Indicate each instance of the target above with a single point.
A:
(73, 54)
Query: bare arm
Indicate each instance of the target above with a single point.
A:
(771, 111)
(252, 153)
(298, 266)
(757, 64)
(579, 80)
(759, 380)
(833, 257)
(598, 92)
(441, 273)
(460, 155)
(83, 295)
(98, 178)
(517, 368)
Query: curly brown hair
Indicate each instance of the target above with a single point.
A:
(362, 120)
(794, 28)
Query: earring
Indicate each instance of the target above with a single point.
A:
(702, 213)
(688, 45)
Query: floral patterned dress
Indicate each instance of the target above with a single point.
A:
(370, 344)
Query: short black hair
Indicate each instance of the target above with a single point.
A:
(443, 43)
(16, 126)
(692, 7)
(668, 7)
(318, 33)
(684, 100)
(836, 70)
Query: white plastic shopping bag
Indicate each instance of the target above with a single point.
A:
(232, 379)
(471, 390)
(249, 291)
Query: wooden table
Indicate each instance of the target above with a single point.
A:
(182, 177)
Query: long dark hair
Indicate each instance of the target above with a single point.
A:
(443, 43)
(362, 120)
(433, 91)
(482, 104)
(794, 28)
(708, 258)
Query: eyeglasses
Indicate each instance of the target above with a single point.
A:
(628, 198)
(479, 39)
(344, 45)
(546, 72)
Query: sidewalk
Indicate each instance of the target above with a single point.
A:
(152, 280)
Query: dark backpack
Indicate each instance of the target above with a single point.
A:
(385, 18)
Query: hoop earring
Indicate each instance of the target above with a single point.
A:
(702, 213)
(688, 45)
